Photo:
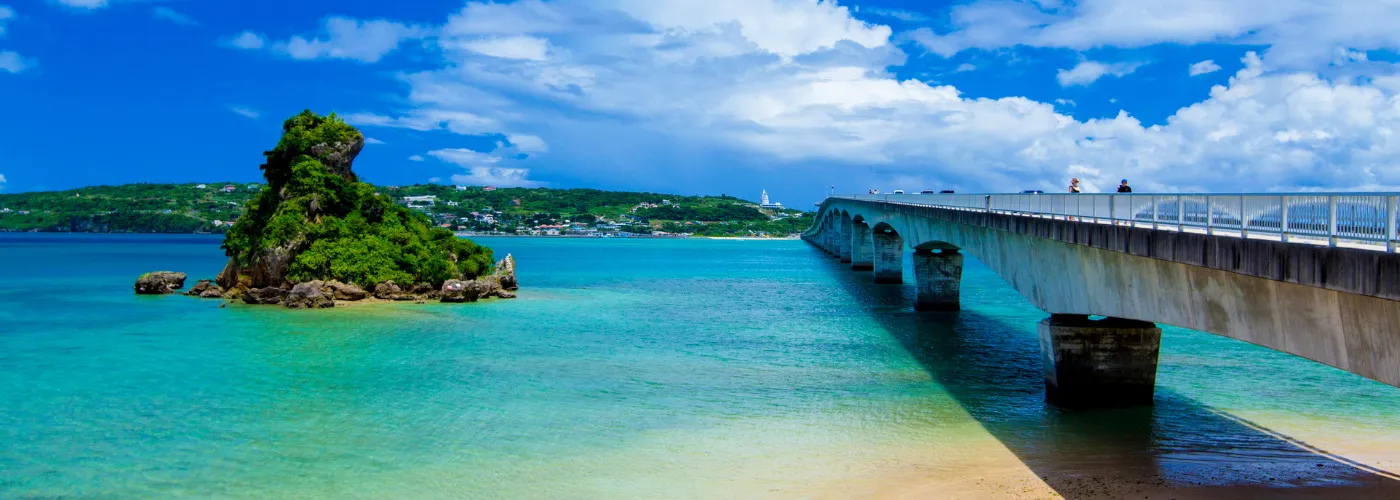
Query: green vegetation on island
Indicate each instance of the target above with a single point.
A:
(314, 220)
(211, 208)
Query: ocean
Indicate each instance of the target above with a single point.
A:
(627, 369)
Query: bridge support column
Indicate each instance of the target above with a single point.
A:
(862, 249)
(1108, 363)
(889, 257)
(827, 236)
(844, 239)
(937, 277)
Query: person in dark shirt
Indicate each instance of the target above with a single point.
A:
(1123, 187)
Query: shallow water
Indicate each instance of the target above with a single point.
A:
(626, 369)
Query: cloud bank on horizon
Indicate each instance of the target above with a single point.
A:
(714, 95)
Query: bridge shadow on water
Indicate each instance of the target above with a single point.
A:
(1178, 448)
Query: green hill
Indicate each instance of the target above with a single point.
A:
(207, 207)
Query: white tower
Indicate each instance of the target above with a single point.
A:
(764, 199)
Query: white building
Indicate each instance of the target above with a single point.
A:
(419, 201)
(763, 201)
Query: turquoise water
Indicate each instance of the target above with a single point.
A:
(626, 369)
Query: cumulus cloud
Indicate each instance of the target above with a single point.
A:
(83, 4)
(371, 140)
(1087, 72)
(2, 181)
(816, 90)
(246, 40)
(897, 14)
(171, 15)
(340, 38)
(512, 47)
(1300, 33)
(483, 169)
(1203, 67)
(528, 144)
(6, 13)
(12, 62)
(345, 38)
(457, 122)
(245, 111)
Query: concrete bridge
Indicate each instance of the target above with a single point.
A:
(1313, 275)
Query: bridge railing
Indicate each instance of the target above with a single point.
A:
(1355, 219)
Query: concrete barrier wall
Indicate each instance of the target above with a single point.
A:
(1331, 305)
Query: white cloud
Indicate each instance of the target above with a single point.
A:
(245, 111)
(416, 158)
(83, 4)
(513, 47)
(247, 40)
(1300, 33)
(171, 15)
(1203, 67)
(1087, 72)
(6, 13)
(371, 140)
(483, 169)
(528, 144)
(752, 103)
(1065, 102)
(964, 67)
(345, 38)
(12, 62)
(434, 180)
(457, 122)
(2, 181)
(899, 14)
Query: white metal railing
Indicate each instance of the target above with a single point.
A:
(1357, 219)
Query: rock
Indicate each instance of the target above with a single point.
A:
(421, 289)
(390, 291)
(505, 295)
(308, 296)
(205, 289)
(265, 295)
(456, 291)
(342, 291)
(386, 290)
(159, 283)
(505, 273)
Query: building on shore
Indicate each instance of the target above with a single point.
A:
(763, 202)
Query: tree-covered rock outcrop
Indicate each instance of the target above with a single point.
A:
(314, 220)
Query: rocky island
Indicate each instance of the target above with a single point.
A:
(315, 235)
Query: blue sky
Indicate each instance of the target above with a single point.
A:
(713, 96)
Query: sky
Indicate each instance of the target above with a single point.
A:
(714, 96)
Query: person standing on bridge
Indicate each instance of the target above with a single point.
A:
(1123, 187)
(1074, 185)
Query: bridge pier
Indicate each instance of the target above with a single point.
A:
(889, 257)
(844, 239)
(937, 277)
(828, 235)
(1107, 363)
(862, 250)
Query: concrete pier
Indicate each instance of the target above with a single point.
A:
(844, 238)
(1108, 363)
(889, 256)
(862, 249)
(937, 276)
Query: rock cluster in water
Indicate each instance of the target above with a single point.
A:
(159, 283)
(315, 235)
(318, 294)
